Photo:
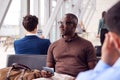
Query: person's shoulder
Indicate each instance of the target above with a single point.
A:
(84, 40)
(87, 75)
(101, 20)
(19, 40)
(55, 42)
(44, 41)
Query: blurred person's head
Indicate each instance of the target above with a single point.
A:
(68, 24)
(113, 19)
(103, 14)
(30, 22)
(111, 46)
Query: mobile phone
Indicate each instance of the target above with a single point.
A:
(51, 70)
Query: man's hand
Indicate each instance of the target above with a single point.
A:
(46, 74)
(110, 52)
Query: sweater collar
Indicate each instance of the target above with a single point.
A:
(71, 39)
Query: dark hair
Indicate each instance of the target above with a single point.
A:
(113, 18)
(103, 15)
(30, 22)
(73, 18)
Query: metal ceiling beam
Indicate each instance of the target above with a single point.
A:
(52, 18)
(4, 6)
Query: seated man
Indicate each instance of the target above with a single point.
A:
(31, 43)
(108, 68)
(71, 54)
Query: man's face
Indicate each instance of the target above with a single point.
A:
(67, 27)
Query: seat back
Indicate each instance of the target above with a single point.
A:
(32, 61)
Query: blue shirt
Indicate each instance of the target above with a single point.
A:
(102, 25)
(31, 44)
(102, 71)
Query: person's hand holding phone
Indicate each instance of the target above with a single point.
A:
(47, 72)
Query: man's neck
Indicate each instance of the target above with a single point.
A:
(67, 37)
(31, 33)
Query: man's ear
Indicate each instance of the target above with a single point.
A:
(116, 40)
(119, 43)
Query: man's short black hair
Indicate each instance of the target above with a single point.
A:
(113, 18)
(73, 18)
(30, 22)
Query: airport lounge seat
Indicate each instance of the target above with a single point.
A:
(32, 61)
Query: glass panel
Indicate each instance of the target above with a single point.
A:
(41, 9)
(42, 12)
(10, 25)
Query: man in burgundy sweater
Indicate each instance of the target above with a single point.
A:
(71, 54)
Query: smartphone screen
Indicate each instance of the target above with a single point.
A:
(51, 70)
